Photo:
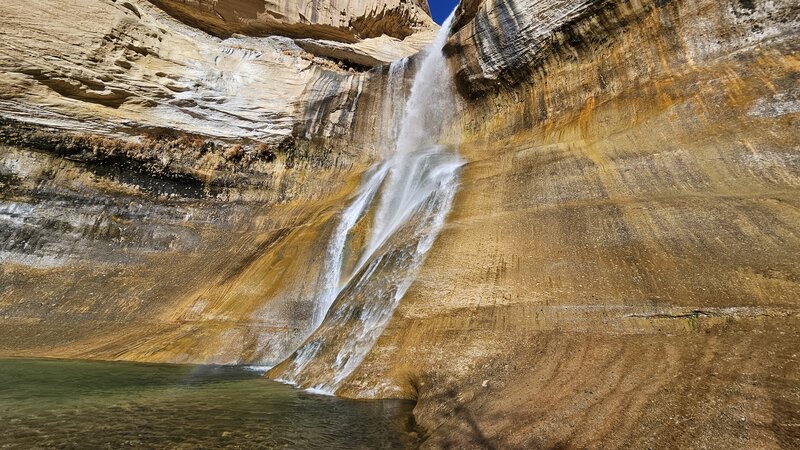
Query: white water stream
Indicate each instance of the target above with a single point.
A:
(406, 197)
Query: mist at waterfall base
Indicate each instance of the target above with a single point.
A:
(403, 202)
(80, 404)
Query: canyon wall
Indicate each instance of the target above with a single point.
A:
(619, 268)
(361, 32)
(166, 195)
(337, 20)
(127, 68)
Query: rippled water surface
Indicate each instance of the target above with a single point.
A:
(71, 404)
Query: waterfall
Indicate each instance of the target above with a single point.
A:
(405, 198)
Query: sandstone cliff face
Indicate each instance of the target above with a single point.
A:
(134, 147)
(106, 261)
(115, 67)
(124, 67)
(619, 269)
(365, 33)
(338, 20)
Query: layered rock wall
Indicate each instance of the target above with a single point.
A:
(359, 32)
(620, 268)
(338, 20)
(126, 67)
(104, 67)
(166, 194)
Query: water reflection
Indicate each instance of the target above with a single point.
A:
(70, 404)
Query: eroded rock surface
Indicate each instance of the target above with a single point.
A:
(340, 20)
(619, 269)
(105, 260)
(134, 147)
(621, 265)
(123, 67)
(374, 26)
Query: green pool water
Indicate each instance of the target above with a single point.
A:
(85, 405)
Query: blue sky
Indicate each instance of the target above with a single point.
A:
(440, 9)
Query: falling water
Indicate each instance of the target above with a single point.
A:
(406, 196)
